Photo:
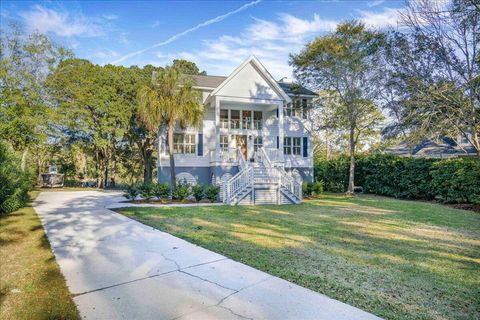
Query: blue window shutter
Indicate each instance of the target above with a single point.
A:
(278, 142)
(305, 147)
(277, 112)
(200, 144)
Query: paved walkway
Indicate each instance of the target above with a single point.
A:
(118, 268)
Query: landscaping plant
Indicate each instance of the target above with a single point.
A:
(181, 191)
(198, 191)
(146, 191)
(131, 192)
(212, 192)
(161, 191)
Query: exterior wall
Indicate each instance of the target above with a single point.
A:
(305, 172)
(201, 174)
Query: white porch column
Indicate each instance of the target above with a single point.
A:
(280, 127)
(217, 127)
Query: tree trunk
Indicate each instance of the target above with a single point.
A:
(351, 182)
(105, 179)
(170, 154)
(24, 159)
(147, 162)
(113, 170)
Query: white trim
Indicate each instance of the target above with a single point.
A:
(252, 59)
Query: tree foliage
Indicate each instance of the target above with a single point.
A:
(433, 85)
(169, 100)
(344, 65)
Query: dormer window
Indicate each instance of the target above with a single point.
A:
(298, 108)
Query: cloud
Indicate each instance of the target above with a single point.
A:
(271, 41)
(107, 54)
(61, 23)
(374, 3)
(110, 16)
(155, 24)
(388, 17)
(181, 34)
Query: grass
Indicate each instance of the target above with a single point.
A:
(397, 259)
(31, 284)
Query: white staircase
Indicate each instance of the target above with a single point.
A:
(260, 182)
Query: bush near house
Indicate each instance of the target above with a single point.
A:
(198, 191)
(212, 192)
(454, 180)
(161, 191)
(181, 191)
(15, 184)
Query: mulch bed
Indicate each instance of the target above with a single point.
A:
(466, 206)
(164, 202)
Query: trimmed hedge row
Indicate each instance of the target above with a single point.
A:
(14, 183)
(455, 180)
(181, 192)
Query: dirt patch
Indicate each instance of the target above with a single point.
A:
(466, 206)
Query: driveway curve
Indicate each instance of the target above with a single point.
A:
(118, 268)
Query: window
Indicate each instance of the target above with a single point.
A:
(292, 145)
(190, 146)
(234, 119)
(287, 145)
(224, 143)
(288, 110)
(304, 109)
(257, 120)
(297, 147)
(184, 143)
(297, 108)
(246, 119)
(224, 119)
(257, 143)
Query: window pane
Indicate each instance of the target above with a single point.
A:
(296, 146)
(257, 143)
(224, 119)
(234, 119)
(287, 145)
(247, 119)
(257, 120)
(224, 143)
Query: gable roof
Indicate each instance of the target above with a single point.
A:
(208, 81)
(263, 71)
(430, 148)
(293, 89)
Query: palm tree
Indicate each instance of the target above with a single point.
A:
(169, 100)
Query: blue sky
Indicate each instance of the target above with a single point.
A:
(217, 35)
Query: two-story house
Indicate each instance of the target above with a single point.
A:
(254, 140)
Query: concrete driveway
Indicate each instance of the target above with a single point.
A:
(117, 268)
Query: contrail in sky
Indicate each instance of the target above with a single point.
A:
(181, 34)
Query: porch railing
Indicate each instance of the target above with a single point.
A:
(242, 180)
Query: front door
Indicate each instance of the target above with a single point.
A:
(242, 144)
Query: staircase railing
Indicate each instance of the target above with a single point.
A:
(289, 183)
(284, 179)
(238, 183)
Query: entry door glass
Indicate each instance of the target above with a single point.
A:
(242, 144)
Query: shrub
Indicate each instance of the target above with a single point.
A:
(212, 192)
(132, 191)
(317, 187)
(146, 191)
(161, 191)
(181, 191)
(454, 180)
(15, 184)
(457, 180)
(198, 191)
(307, 189)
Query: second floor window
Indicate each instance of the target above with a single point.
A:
(296, 146)
(234, 119)
(257, 120)
(246, 119)
(184, 143)
(224, 118)
(224, 143)
(292, 145)
(287, 145)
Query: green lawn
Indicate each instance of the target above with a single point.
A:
(31, 284)
(396, 259)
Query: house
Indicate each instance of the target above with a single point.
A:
(254, 140)
(440, 148)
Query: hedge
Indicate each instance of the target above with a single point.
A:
(451, 180)
(15, 184)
